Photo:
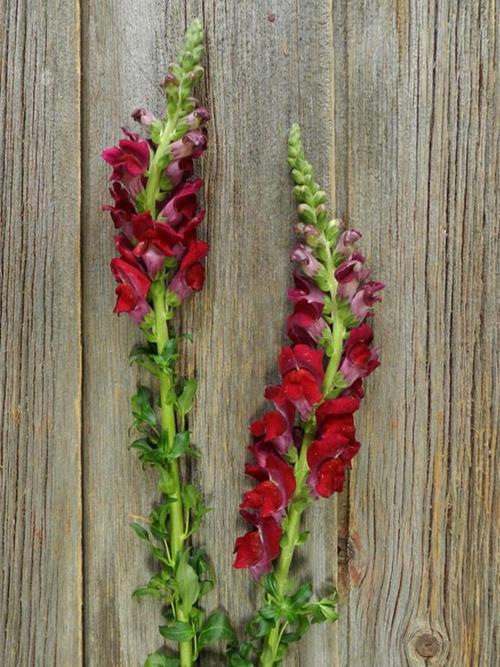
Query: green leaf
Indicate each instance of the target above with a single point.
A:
(269, 612)
(142, 406)
(236, 660)
(325, 609)
(216, 628)
(178, 631)
(303, 537)
(171, 299)
(191, 496)
(270, 584)
(181, 445)
(140, 531)
(159, 554)
(188, 585)
(161, 660)
(302, 596)
(143, 445)
(186, 397)
(147, 591)
(169, 352)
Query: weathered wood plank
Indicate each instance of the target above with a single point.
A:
(124, 56)
(417, 171)
(40, 375)
(269, 64)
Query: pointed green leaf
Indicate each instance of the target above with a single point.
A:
(178, 631)
(216, 628)
(186, 397)
(161, 660)
(188, 585)
(181, 445)
(140, 531)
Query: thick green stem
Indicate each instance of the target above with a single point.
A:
(338, 326)
(269, 654)
(157, 163)
(167, 416)
(294, 516)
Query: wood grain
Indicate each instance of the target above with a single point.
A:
(122, 64)
(40, 375)
(417, 172)
(398, 101)
(237, 322)
(265, 72)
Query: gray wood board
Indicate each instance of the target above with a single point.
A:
(40, 369)
(397, 105)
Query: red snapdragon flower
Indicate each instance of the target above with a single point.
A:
(129, 160)
(332, 451)
(360, 359)
(258, 548)
(301, 368)
(154, 242)
(182, 204)
(350, 274)
(269, 469)
(365, 298)
(305, 256)
(132, 289)
(327, 470)
(348, 238)
(275, 428)
(305, 324)
(192, 144)
(123, 209)
(305, 290)
(191, 274)
(179, 170)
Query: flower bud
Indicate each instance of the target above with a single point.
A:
(197, 117)
(307, 214)
(310, 234)
(170, 81)
(143, 116)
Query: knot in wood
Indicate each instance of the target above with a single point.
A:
(427, 645)
(345, 550)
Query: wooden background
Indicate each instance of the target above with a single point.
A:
(397, 103)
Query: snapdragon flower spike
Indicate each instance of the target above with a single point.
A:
(156, 215)
(155, 196)
(311, 429)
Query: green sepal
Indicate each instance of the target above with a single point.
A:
(303, 537)
(155, 131)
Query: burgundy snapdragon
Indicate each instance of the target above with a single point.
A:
(160, 236)
(130, 160)
(314, 404)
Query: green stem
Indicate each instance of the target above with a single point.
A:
(294, 516)
(156, 167)
(338, 326)
(272, 642)
(167, 417)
